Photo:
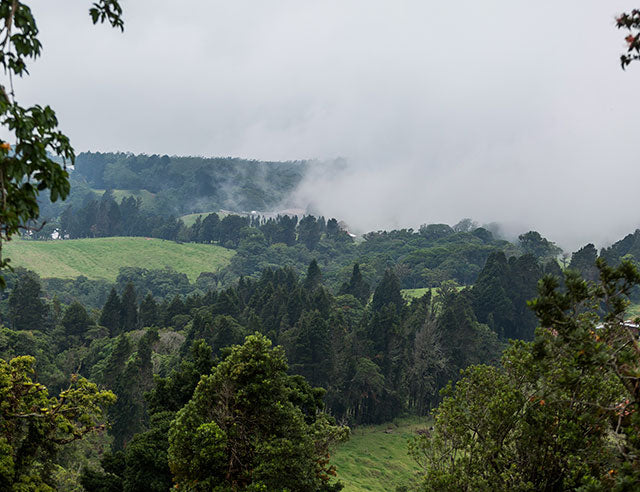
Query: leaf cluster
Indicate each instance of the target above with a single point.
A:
(630, 22)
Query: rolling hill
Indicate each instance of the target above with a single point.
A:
(101, 258)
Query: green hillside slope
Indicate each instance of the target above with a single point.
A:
(101, 258)
(375, 458)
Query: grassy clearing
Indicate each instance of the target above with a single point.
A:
(375, 459)
(409, 294)
(101, 258)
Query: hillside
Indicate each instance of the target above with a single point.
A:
(101, 258)
(375, 457)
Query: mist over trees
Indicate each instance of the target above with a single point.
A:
(248, 378)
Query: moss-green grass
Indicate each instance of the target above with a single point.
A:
(416, 293)
(101, 258)
(375, 460)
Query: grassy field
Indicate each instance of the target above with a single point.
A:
(102, 257)
(375, 457)
(409, 294)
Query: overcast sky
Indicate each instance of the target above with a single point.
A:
(499, 110)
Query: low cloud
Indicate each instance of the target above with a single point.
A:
(501, 111)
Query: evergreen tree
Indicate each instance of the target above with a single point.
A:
(129, 412)
(129, 308)
(308, 348)
(491, 302)
(111, 316)
(116, 361)
(333, 229)
(195, 231)
(314, 277)
(27, 311)
(357, 287)
(176, 307)
(388, 292)
(533, 243)
(76, 322)
(171, 393)
(287, 232)
(226, 332)
(526, 272)
(148, 311)
(309, 231)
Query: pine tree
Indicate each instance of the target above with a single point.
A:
(111, 317)
(309, 349)
(27, 311)
(76, 321)
(357, 287)
(129, 308)
(148, 311)
(333, 229)
(176, 307)
(490, 297)
(314, 277)
(388, 292)
(310, 231)
(226, 332)
(116, 360)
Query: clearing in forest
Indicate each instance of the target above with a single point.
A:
(376, 458)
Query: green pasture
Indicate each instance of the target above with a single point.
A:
(376, 459)
(101, 258)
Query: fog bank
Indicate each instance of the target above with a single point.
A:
(501, 111)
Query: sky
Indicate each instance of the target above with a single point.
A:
(503, 111)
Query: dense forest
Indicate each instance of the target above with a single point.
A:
(518, 361)
(182, 185)
(255, 371)
(342, 325)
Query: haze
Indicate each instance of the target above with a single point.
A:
(503, 111)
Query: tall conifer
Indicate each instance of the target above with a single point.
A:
(111, 313)
(129, 308)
